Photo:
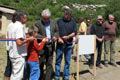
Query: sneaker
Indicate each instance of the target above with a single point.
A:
(99, 66)
(114, 64)
(106, 64)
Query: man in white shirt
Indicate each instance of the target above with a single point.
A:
(17, 49)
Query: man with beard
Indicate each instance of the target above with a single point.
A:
(109, 43)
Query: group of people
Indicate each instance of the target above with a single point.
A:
(29, 53)
(105, 33)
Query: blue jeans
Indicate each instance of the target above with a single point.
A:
(67, 50)
(34, 70)
(87, 56)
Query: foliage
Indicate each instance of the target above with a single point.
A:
(83, 1)
(110, 9)
(35, 7)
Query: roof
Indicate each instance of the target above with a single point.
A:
(7, 9)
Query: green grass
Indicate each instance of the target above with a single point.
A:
(2, 59)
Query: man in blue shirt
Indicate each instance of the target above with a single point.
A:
(67, 30)
(47, 28)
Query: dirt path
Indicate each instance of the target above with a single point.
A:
(109, 73)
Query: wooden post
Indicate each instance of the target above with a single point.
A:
(95, 56)
(74, 50)
(78, 60)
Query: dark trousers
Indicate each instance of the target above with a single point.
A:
(99, 51)
(8, 68)
(46, 59)
(26, 70)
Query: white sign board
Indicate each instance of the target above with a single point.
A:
(86, 44)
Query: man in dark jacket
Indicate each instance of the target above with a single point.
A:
(98, 30)
(47, 28)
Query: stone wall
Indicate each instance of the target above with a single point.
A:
(84, 7)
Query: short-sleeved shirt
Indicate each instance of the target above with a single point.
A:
(16, 32)
(67, 27)
(83, 27)
(10, 25)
